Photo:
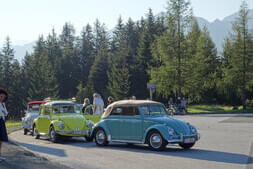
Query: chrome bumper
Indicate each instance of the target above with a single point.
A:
(74, 132)
(182, 138)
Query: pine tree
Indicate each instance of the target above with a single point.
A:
(97, 80)
(170, 49)
(7, 60)
(86, 53)
(239, 71)
(117, 35)
(203, 65)
(16, 93)
(68, 78)
(35, 91)
(119, 73)
(43, 81)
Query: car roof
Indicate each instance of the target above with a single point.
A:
(127, 103)
(37, 102)
(59, 102)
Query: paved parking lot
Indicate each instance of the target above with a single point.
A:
(226, 143)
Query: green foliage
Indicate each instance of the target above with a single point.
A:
(238, 58)
(169, 50)
(216, 109)
(249, 103)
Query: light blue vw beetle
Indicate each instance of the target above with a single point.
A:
(143, 122)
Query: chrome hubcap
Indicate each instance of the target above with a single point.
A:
(100, 136)
(35, 131)
(52, 134)
(155, 140)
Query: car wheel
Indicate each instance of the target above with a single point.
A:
(25, 131)
(88, 138)
(100, 137)
(53, 136)
(186, 145)
(156, 141)
(35, 132)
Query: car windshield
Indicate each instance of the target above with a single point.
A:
(152, 110)
(33, 108)
(63, 108)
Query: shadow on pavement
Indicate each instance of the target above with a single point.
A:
(173, 150)
(199, 154)
(43, 149)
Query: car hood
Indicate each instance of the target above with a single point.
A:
(72, 122)
(32, 115)
(178, 125)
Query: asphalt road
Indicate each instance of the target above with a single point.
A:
(226, 143)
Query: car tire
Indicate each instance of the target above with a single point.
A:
(100, 137)
(155, 141)
(186, 145)
(35, 132)
(53, 136)
(88, 138)
(25, 131)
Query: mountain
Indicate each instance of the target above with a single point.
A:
(20, 50)
(220, 29)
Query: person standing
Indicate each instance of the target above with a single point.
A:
(170, 102)
(87, 107)
(110, 100)
(98, 104)
(184, 104)
(3, 114)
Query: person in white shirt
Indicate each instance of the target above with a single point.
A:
(3, 114)
(98, 104)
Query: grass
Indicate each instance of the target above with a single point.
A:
(10, 124)
(216, 109)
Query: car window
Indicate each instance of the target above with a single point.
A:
(64, 108)
(144, 110)
(116, 111)
(153, 110)
(130, 111)
(33, 108)
(42, 110)
(47, 110)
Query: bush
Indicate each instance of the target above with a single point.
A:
(249, 103)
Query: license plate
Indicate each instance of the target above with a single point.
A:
(189, 140)
(76, 132)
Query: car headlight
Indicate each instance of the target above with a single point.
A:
(27, 120)
(61, 126)
(90, 124)
(193, 129)
(171, 131)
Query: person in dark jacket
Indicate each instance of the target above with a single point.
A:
(3, 114)
(110, 100)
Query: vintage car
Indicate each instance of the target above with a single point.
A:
(143, 122)
(59, 119)
(31, 113)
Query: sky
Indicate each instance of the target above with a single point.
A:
(24, 20)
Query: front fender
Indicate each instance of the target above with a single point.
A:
(35, 121)
(55, 124)
(102, 125)
(159, 127)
